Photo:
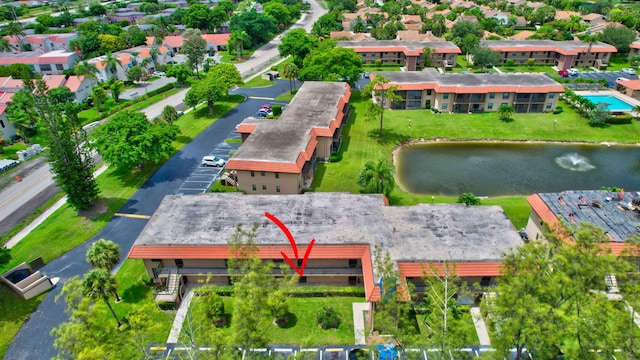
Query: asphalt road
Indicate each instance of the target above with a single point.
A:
(33, 341)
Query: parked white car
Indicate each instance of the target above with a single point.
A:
(159, 73)
(622, 79)
(573, 72)
(628, 71)
(214, 161)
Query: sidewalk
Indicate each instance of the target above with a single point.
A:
(481, 327)
(358, 322)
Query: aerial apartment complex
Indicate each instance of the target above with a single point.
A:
(281, 156)
(562, 54)
(409, 54)
(464, 93)
(186, 239)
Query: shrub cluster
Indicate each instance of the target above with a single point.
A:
(306, 291)
(335, 157)
(328, 318)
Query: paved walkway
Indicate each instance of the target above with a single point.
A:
(481, 327)
(27, 229)
(358, 322)
(176, 328)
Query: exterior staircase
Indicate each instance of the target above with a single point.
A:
(612, 284)
(228, 179)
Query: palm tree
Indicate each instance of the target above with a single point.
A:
(134, 54)
(426, 53)
(637, 111)
(237, 39)
(15, 29)
(98, 284)
(377, 177)
(505, 112)
(103, 254)
(85, 68)
(154, 53)
(111, 63)
(21, 113)
(290, 71)
(97, 95)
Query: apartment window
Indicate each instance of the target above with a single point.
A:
(254, 187)
(253, 173)
(179, 263)
(492, 95)
(444, 106)
(59, 67)
(428, 92)
(353, 263)
(262, 173)
(264, 187)
(277, 175)
(445, 96)
(278, 189)
(505, 95)
(373, 54)
(490, 106)
(548, 106)
(45, 67)
(551, 95)
(303, 279)
(524, 53)
(515, 53)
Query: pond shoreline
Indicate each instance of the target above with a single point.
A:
(412, 142)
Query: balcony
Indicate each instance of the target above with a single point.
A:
(223, 271)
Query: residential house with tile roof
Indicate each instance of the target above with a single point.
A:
(281, 156)
(214, 42)
(186, 239)
(562, 54)
(408, 54)
(634, 49)
(471, 93)
(415, 35)
(43, 42)
(350, 35)
(49, 63)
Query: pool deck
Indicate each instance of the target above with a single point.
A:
(619, 95)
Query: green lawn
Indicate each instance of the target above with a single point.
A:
(303, 328)
(10, 152)
(257, 81)
(15, 311)
(90, 115)
(617, 63)
(286, 96)
(373, 68)
(361, 143)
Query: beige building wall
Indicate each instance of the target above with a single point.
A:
(445, 102)
(269, 183)
(323, 148)
(534, 226)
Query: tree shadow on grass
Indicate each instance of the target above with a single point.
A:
(183, 140)
(290, 321)
(388, 137)
(135, 293)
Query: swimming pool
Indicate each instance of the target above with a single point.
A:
(613, 103)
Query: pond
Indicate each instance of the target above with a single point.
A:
(502, 169)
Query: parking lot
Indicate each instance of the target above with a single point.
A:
(611, 76)
(203, 177)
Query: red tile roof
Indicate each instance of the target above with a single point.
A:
(264, 252)
(463, 268)
(540, 207)
(635, 45)
(2, 109)
(218, 39)
(630, 84)
(74, 82)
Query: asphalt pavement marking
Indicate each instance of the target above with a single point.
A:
(133, 216)
(260, 98)
(40, 179)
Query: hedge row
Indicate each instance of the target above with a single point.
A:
(118, 108)
(298, 291)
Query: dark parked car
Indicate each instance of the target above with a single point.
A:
(563, 73)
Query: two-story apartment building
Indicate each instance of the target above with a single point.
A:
(50, 63)
(634, 49)
(280, 156)
(186, 239)
(464, 93)
(409, 54)
(563, 54)
(42, 42)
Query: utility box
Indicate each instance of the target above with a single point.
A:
(23, 155)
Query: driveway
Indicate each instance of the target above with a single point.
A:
(610, 76)
(33, 341)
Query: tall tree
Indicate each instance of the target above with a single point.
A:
(22, 113)
(377, 178)
(260, 27)
(111, 63)
(620, 37)
(483, 56)
(227, 73)
(169, 114)
(181, 72)
(70, 160)
(290, 71)
(115, 86)
(15, 30)
(238, 40)
(194, 47)
(209, 89)
(129, 140)
(85, 68)
(330, 63)
(298, 44)
(383, 96)
(103, 254)
(98, 284)
(198, 16)
(98, 96)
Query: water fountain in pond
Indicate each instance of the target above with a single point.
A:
(574, 162)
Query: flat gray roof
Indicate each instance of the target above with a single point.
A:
(410, 45)
(282, 140)
(615, 216)
(427, 232)
(469, 80)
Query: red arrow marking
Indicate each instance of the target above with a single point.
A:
(292, 241)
